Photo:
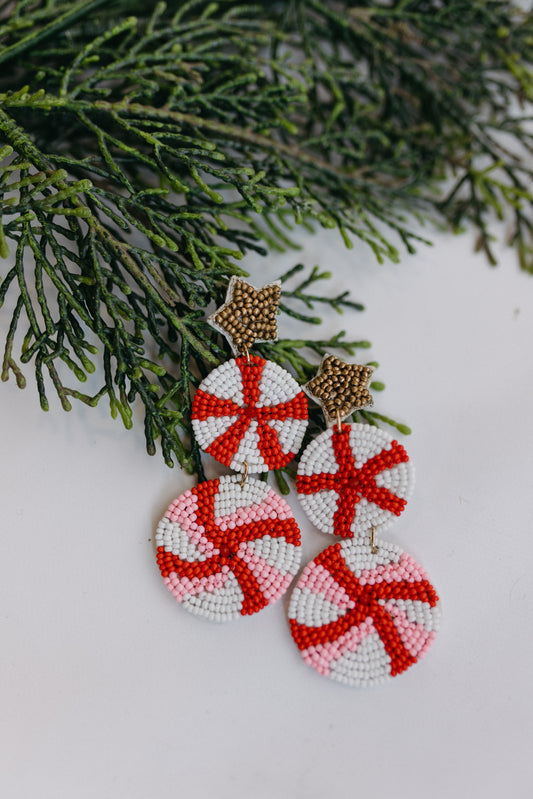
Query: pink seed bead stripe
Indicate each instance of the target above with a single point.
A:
(353, 479)
(361, 618)
(225, 550)
(250, 410)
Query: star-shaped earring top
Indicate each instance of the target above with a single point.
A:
(340, 388)
(249, 314)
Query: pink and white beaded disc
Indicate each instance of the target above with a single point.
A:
(360, 618)
(250, 410)
(227, 550)
(354, 478)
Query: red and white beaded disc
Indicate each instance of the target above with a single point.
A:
(227, 550)
(250, 410)
(353, 479)
(359, 617)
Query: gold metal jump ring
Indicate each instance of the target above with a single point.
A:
(374, 549)
(245, 475)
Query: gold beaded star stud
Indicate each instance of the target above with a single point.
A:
(340, 388)
(249, 314)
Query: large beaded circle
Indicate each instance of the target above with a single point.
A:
(354, 478)
(227, 550)
(250, 410)
(361, 618)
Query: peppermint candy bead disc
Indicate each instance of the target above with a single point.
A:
(361, 618)
(226, 550)
(250, 410)
(353, 479)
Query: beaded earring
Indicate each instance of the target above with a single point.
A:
(230, 546)
(362, 611)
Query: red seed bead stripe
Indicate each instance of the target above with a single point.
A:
(250, 410)
(361, 617)
(353, 479)
(226, 550)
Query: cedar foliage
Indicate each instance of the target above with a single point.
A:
(146, 147)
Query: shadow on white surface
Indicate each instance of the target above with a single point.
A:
(110, 689)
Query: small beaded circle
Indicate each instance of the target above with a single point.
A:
(361, 618)
(226, 550)
(353, 479)
(250, 410)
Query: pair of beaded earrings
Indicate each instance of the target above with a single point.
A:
(362, 610)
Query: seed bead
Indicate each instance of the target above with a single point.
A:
(226, 551)
(361, 617)
(250, 410)
(353, 479)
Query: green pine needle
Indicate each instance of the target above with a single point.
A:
(146, 148)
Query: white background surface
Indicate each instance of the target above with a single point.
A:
(110, 689)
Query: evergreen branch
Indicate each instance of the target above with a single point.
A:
(299, 293)
(69, 17)
(145, 149)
